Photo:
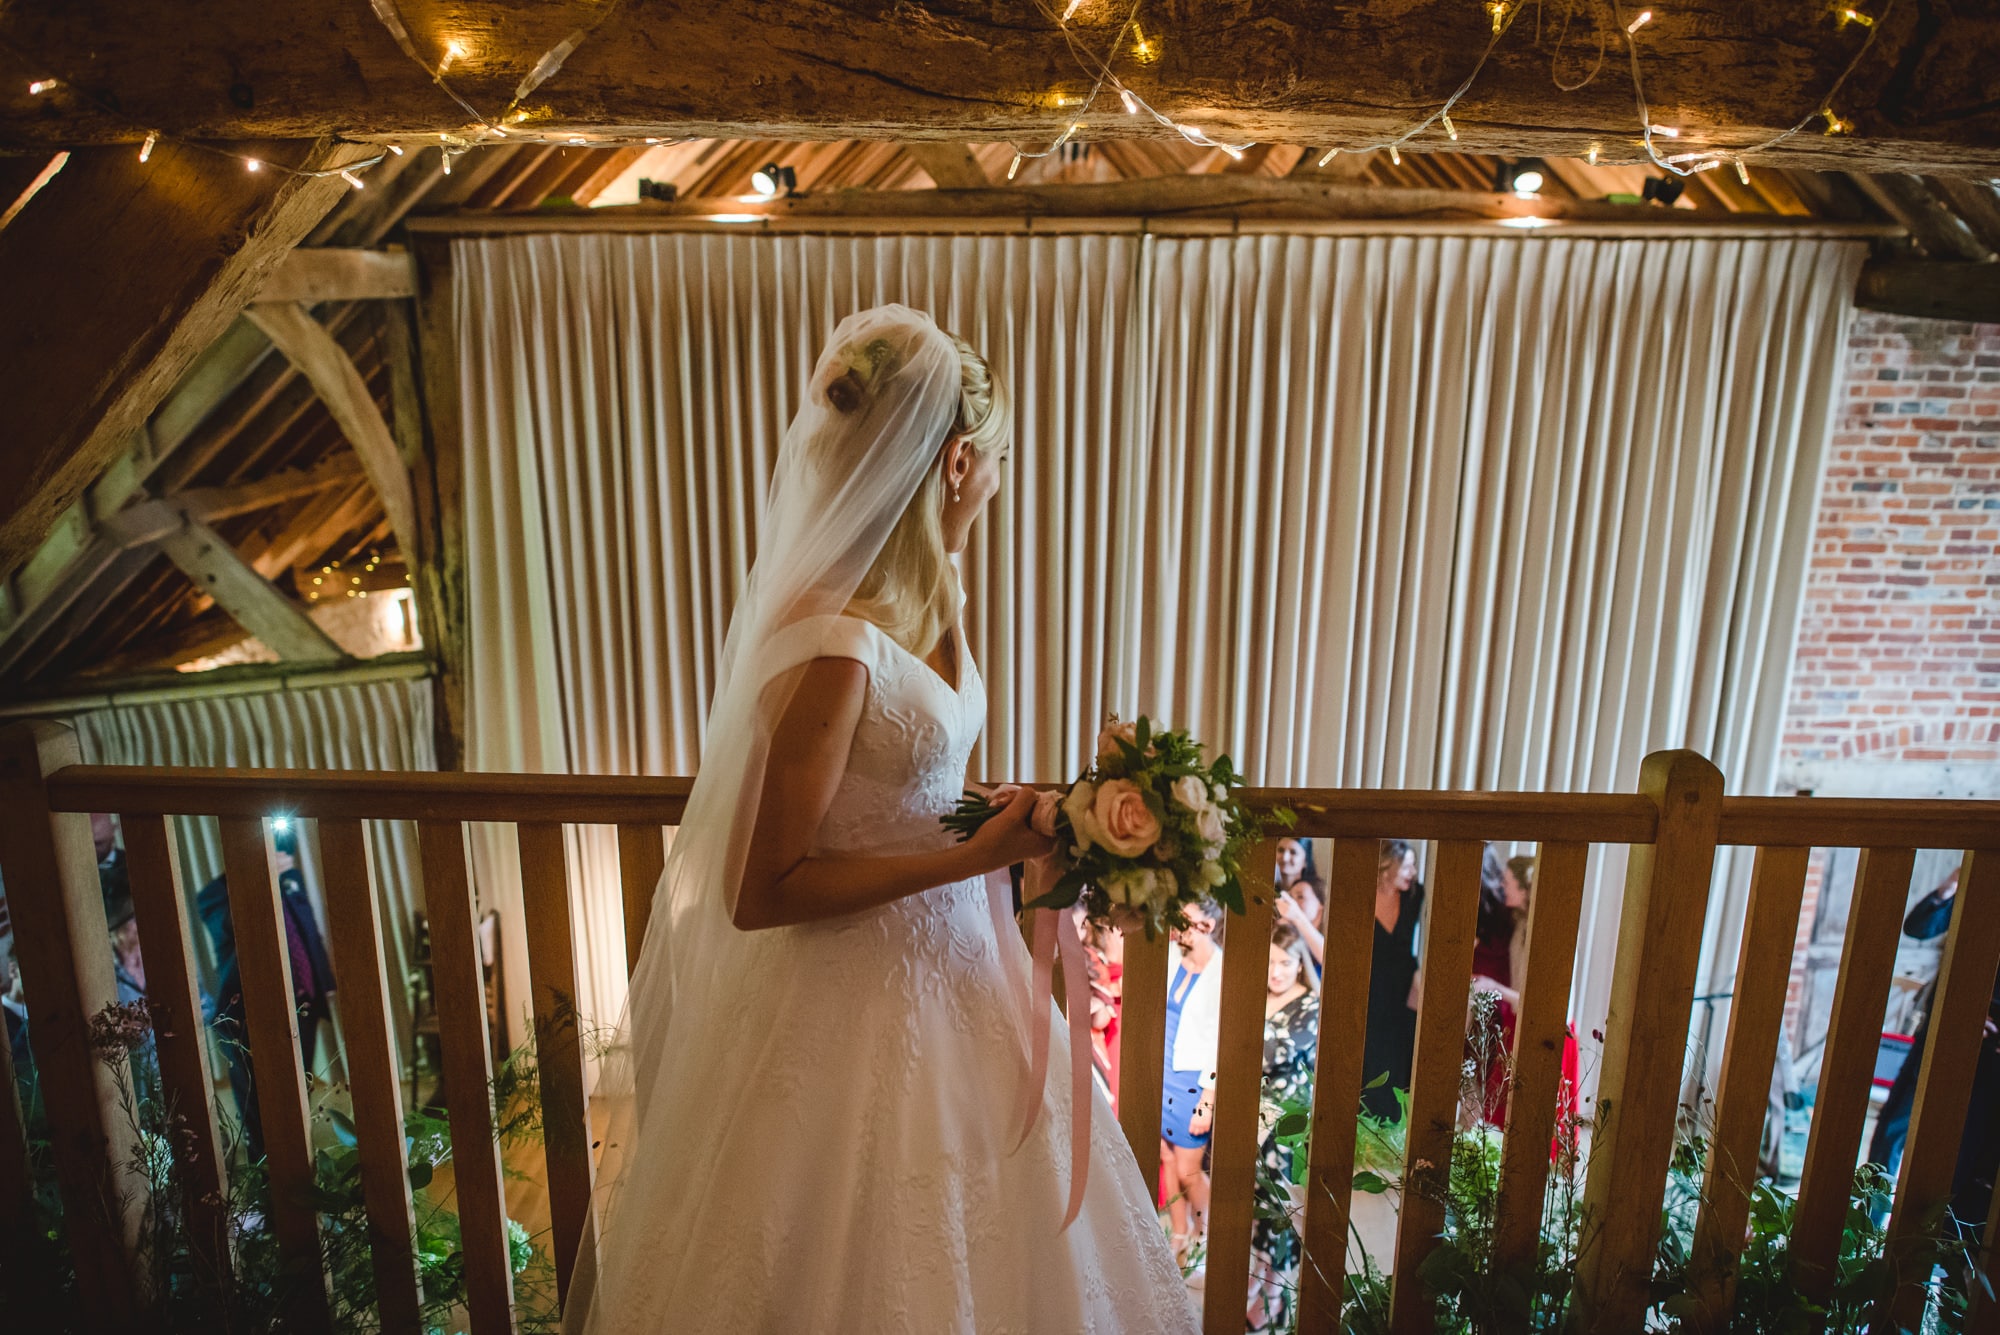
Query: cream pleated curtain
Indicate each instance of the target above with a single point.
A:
(1428, 512)
(368, 725)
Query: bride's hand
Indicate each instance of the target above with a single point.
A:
(1008, 838)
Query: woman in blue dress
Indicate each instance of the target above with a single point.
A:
(1194, 1006)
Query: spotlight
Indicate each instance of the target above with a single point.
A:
(1663, 189)
(281, 823)
(1523, 178)
(771, 179)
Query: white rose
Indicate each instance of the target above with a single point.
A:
(1208, 822)
(1082, 823)
(1126, 887)
(1190, 792)
(1210, 874)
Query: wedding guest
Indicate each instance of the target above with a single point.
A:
(1389, 1043)
(1297, 875)
(1499, 964)
(1301, 908)
(1291, 1042)
(1104, 949)
(1194, 1010)
(1972, 1180)
(312, 980)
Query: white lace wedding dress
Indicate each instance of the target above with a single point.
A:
(852, 1165)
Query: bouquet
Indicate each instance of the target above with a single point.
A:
(1149, 829)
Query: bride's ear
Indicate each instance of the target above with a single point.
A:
(957, 457)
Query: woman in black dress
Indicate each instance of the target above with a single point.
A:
(1391, 1038)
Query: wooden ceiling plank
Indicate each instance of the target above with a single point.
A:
(163, 255)
(216, 568)
(1976, 202)
(320, 358)
(1739, 71)
(1942, 234)
(290, 484)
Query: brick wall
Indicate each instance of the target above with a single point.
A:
(1899, 637)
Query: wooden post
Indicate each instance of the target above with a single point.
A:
(1853, 1038)
(1944, 1083)
(437, 483)
(270, 1015)
(182, 1040)
(1743, 1091)
(468, 1077)
(1436, 1076)
(354, 931)
(1337, 1082)
(558, 1039)
(1239, 1076)
(1645, 1043)
(63, 948)
(642, 855)
(1142, 1054)
(1541, 1032)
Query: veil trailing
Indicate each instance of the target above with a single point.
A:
(882, 399)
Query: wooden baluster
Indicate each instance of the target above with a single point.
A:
(1239, 1066)
(1337, 1082)
(1743, 1091)
(1541, 1032)
(558, 1039)
(1436, 1075)
(1142, 1050)
(270, 1017)
(1944, 1082)
(468, 1077)
(1645, 1043)
(642, 856)
(154, 869)
(1982, 1315)
(1853, 1040)
(62, 945)
(375, 1078)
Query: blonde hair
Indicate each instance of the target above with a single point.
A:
(909, 591)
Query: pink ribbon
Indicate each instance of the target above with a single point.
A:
(1055, 934)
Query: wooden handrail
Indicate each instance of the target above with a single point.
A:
(1674, 825)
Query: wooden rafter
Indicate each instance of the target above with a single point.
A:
(319, 357)
(162, 256)
(216, 568)
(340, 274)
(1731, 72)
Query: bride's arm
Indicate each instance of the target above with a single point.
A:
(781, 884)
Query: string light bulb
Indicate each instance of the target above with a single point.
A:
(1498, 9)
(1591, 156)
(1645, 17)
(251, 164)
(1395, 156)
(1070, 11)
(452, 51)
(1449, 129)
(397, 149)
(152, 142)
(351, 178)
(1014, 167)
(1848, 16)
(1131, 102)
(40, 86)
(1665, 131)
(1834, 124)
(1329, 156)
(1742, 172)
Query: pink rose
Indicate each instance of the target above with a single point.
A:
(1125, 825)
(1043, 819)
(1113, 732)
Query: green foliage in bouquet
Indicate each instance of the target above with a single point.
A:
(1151, 827)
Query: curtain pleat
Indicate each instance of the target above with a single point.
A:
(1428, 512)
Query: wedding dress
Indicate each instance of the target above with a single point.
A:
(829, 1142)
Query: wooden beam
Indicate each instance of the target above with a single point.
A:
(290, 484)
(239, 590)
(123, 273)
(1735, 72)
(439, 561)
(308, 345)
(1213, 200)
(1941, 232)
(950, 166)
(1931, 289)
(340, 274)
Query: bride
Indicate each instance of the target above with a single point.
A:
(823, 1045)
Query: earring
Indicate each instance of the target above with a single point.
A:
(955, 493)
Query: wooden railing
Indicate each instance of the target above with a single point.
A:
(1673, 825)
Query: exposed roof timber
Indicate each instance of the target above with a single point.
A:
(1942, 233)
(950, 166)
(340, 274)
(1932, 289)
(206, 557)
(1211, 199)
(163, 256)
(1726, 71)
